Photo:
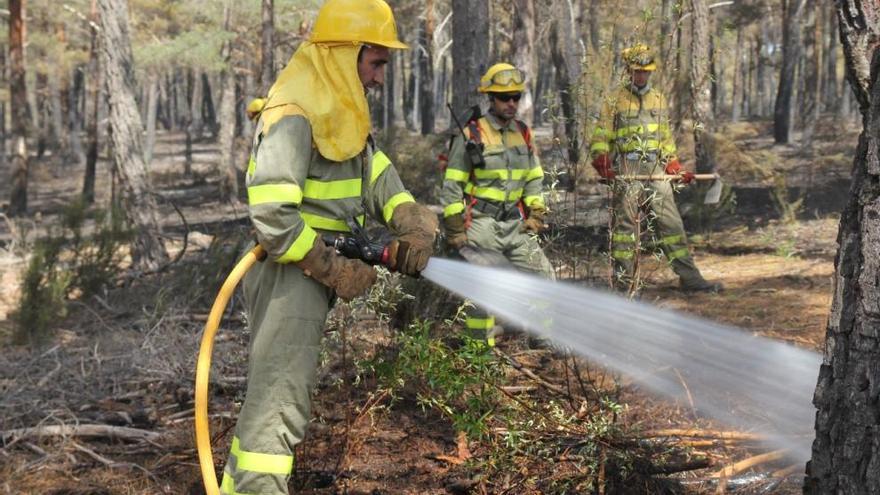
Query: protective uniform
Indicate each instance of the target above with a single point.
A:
(488, 203)
(633, 137)
(313, 170)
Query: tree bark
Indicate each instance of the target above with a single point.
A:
(267, 47)
(18, 92)
(426, 70)
(846, 451)
(139, 202)
(94, 96)
(701, 87)
(563, 48)
(524, 55)
(791, 50)
(470, 34)
(229, 183)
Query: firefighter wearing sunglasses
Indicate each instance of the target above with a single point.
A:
(633, 137)
(494, 200)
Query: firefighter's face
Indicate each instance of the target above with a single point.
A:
(371, 66)
(505, 105)
(640, 78)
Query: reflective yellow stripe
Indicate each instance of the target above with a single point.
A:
(252, 166)
(641, 145)
(480, 323)
(624, 237)
(633, 130)
(671, 239)
(493, 193)
(533, 200)
(453, 209)
(379, 164)
(336, 189)
(394, 202)
(622, 254)
(669, 148)
(325, 223)
(600, 147)
(261, 463)
(535, 173)
(490, 341)
(274, 193)
(500, 173)
(600, 133)
(300, 247)
(457, 175)
(678, 253)
(227, 486)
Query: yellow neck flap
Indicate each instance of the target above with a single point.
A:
(323, 80)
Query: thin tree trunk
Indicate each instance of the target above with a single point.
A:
(594, 24)
(470, 29)
(812, 74)
(738, 80)
(701, 93)
(791, 49)
(426, 70)
(18, 92)
(267, 47)
(74, 111)
(88, 192)
(565, 61)
(139, 202)
(524, 55)
(847, 445)
(832, 100)
(210, 109)
(197, 104)
(152, 109)
(229, 183)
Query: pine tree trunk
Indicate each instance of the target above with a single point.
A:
(701, 92)
(565, 61)
(524, 55)
(139, 203)
(426, 69)
(267, 47)
(228, 122)
(832, 100)
(20, 119)
(210, 110)
(791, 50)
(812, 74)
(94, 97)
(152, 109)
(846, 452)
(738, 79)
(74, 114)
(470, 33)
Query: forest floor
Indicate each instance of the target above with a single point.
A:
(125, 355)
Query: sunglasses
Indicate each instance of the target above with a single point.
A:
(505, 97)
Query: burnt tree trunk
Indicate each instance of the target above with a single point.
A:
(846, 451)
(138, 200)
(524, 55)
(267, 47)
(94, 96)
(565, 60)
(426, 69)
(18, 92)
(791, 50)
(470, 34)
(701, 86)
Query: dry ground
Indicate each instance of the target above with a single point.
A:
(126, 357)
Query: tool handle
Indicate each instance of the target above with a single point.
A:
(664, 177)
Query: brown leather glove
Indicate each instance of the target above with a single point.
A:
(535, 222)
(416, 226)
(349, 278)
(456, 235)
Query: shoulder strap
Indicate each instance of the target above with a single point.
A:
(526, 134)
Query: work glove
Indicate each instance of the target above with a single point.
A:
(673, 167)
(534, 223)
(416, 227)
(456, 234)
(602, 164)
(348, 277)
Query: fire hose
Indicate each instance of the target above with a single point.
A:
(355, 246)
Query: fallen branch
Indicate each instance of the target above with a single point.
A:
(90, 431)
(681, 467)
(750, 462)
(529, 373)
(721, 435)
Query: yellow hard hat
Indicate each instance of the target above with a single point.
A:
(365, 21)
(502, 78)
(639, 57)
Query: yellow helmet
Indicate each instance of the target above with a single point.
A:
(365, 21)
(502, 78)
(639, 57)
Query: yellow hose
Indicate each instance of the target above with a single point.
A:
(203, 366)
